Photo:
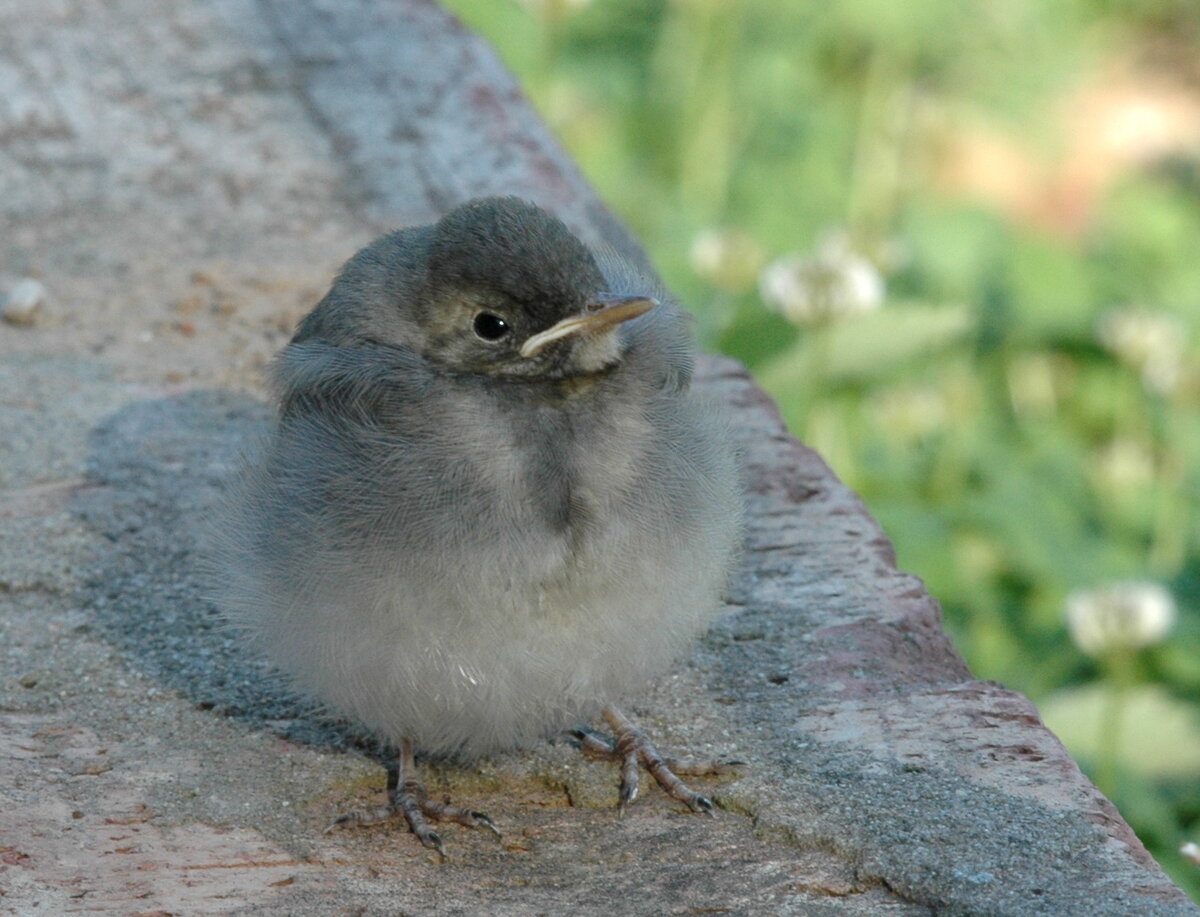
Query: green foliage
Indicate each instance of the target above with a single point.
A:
(867, 348)
(1163, 733)
(1014, 445)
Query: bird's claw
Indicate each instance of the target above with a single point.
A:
(409, 800)
(430, 839)
(626, 795)
(481, 819)
(634, 750)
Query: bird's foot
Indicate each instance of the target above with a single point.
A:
(634, 751)
(409, 800)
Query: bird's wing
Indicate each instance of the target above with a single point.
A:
(358, 378)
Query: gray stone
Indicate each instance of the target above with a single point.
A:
(23, 303)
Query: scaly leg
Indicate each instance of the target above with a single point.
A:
(407, 797)
(633, 749)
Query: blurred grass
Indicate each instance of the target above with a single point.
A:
(1021, 415)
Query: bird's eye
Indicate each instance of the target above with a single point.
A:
(490, 327)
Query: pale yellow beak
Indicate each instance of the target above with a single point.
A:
(605, 311)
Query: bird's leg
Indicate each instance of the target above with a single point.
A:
(633, 749)
(431, 808)
(407, 797)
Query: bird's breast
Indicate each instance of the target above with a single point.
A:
(551, 478)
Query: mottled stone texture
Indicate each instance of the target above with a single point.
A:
(183, 178)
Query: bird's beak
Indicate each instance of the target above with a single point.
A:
(604, 311)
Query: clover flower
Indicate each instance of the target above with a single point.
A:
(1124, 615)
(1150, 343)
(834, 283)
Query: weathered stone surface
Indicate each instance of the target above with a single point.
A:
(185, 177)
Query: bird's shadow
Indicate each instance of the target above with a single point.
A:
(157, 472)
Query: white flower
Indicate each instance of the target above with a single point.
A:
(1151, 343)
(1191, 851)
(834, 283)
(1125, 615)
(727, 258)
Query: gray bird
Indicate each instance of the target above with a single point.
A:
(490, 506)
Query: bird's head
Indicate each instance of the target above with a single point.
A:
(508, 290)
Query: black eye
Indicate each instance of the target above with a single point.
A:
(490, 327)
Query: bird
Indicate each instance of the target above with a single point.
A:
(491, 505)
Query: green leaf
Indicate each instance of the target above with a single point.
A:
(1159, 734)
(867, 347)
(1051, 292)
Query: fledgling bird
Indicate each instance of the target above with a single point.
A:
(491, 506)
